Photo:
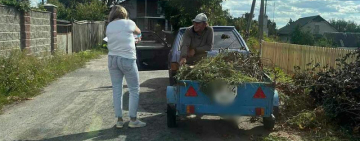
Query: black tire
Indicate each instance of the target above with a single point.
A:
(276, 112)
(171, 116)
(269, 122)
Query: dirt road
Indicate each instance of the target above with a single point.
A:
(78, 106)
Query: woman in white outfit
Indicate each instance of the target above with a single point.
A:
(122, 63)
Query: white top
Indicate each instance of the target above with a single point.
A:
(121, 41)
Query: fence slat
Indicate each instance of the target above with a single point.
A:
(286, 56)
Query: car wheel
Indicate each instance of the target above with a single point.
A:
(276, 112)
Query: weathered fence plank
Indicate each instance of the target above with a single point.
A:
(286, 56)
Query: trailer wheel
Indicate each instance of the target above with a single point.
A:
(276, 112)
(171, 116)
(269, 122)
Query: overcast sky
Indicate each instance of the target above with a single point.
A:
(295, 9)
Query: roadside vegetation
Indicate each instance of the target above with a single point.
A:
(23, 76)
(324, 102)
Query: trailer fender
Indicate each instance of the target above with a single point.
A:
(171, 94)
(276, 100)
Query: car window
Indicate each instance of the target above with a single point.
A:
(220, 42)
(225, 39)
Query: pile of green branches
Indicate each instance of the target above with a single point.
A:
(228, 68)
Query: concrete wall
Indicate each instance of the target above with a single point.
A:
(10, 37)
(323, 27)
(40, 39)
(64, 41)
(30, 31)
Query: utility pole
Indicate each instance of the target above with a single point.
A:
(265, 6)
(250, 19)
(261, 24)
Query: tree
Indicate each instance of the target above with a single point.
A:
(290, 22)
(80, 9)
(181, 12)
(94, 11)
(301, 37)
(345, 26)
(62, 12)
(272, 28)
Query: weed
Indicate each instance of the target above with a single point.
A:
(23, 76)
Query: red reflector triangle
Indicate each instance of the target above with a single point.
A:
(191, 92)
(259, 93)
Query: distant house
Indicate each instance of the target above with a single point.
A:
(146, 14)
(314, 24)
(344, 39)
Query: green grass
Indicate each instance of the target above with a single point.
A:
(23, 76)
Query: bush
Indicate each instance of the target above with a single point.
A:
(301, 37)
(317, 100)
(21, 5)
(23, 76)
(338, 91)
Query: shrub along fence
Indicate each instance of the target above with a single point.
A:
(286, 56)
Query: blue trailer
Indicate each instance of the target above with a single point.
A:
(257, 99)
(251, 99)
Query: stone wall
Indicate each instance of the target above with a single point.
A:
(40, 39)
(33, 31)
(10, 37)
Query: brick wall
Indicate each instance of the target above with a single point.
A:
(40, 29)
(10, 37)
(33, 31)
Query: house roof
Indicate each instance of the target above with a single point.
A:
(344, 39)
(288, 29)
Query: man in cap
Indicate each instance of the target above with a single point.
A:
(197, 39)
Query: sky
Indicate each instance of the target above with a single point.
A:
(295, 9)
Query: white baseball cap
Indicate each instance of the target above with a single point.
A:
(200, 18)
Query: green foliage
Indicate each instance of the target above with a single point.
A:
(62, 12)
(23, 76)
(230, 68)
(92, 10)
(241, 24)
(324, 42)
(345, 26)
(253, 44)
(21, 5)
(326, 101)
(302, 37)
(181, 12)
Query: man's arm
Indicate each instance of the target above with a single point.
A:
(185, 44)
(209, 42)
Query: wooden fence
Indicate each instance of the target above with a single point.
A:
(87, 34)
(286, 56)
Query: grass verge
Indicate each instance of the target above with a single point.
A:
(23, 76)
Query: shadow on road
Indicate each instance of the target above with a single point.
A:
(153, 100)
(157, 130)
(104, 88)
